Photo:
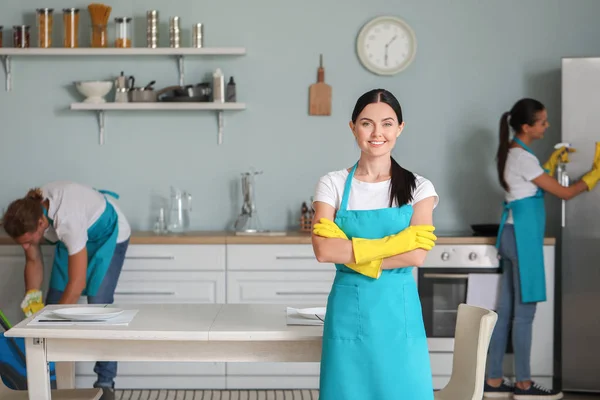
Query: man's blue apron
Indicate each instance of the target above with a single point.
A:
(529, 220)
(374, 342)
(100, 246)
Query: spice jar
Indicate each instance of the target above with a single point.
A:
(71, 27)
(123, 33)
(44, 23)
(21, 36)
(99, 36)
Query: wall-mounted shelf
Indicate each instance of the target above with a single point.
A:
(7, 53)
(101, 108)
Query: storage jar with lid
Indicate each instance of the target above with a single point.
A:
(123, 32)
(21, 36)
(45, 18)
(71, 27)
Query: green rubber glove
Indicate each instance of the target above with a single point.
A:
(329, 229)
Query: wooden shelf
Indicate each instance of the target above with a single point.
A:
(101, 108)
(171, 106)
(134, 51)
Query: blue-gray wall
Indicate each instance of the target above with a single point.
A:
(475, 58)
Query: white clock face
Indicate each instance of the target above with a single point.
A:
(386, 45)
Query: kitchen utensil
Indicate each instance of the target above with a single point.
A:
(248, 220)
(88, 313)
(142, 95)
(485, 229)
(94, 90)
(200, 92)
(122, 88)
(149, 85)
(320, 93)
(179, 213)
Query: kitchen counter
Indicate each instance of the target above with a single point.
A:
(289, 237)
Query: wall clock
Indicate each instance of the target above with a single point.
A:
(386, 45)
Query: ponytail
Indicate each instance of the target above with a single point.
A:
(402, 185)
(503, 147)
(23, 215)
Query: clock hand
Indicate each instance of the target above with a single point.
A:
(390, 42)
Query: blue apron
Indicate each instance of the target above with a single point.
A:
(529, 220)
(374, 342)
(101, 243)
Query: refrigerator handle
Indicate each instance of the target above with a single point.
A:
(563, 179)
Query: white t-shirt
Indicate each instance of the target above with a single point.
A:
(521, 168)
(366, 195)
(74, 208)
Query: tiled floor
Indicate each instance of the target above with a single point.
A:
(249, 395)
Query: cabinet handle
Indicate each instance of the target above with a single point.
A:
(150, 257)
(301, 293)
(145, 293)
(295, 257)
(446, 276)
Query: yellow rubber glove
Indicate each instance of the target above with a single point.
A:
(591, 178)
(32, 302)
(412, 238)
(329, 229)
(562, 154)
(597, 157)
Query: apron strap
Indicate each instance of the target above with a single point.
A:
(108, 192)
(502, 223)
(347, 186)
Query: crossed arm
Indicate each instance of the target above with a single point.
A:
(340, 251)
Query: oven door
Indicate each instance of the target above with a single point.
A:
(441, 290)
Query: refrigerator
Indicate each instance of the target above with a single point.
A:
(580, 231)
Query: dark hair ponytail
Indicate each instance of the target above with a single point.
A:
(523, 112)
(503, 147)
(403, 182)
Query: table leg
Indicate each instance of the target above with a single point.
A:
(38, 376)
(65, 375)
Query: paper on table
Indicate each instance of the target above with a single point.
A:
(293, 318)
(123, 319)
(483, 290)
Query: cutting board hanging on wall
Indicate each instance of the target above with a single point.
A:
(320, 94)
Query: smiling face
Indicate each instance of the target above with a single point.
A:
(376, 129)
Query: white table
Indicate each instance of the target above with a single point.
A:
(170, 332)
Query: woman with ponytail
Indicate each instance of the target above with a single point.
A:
(91, 237)
(374, 222)
(520, 244)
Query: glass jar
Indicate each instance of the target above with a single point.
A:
(71, 27)
(99, 36)
(123, 32)
(44, 23)
(21, 36)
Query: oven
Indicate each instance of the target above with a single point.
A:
(443, 282)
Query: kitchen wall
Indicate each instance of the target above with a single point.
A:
(475, 58)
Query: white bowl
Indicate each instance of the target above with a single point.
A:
(94, 90)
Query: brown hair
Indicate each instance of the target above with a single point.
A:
(22, 215)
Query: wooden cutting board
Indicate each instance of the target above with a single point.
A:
(320, 94)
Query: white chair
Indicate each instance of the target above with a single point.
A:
(58, 394)
(474, 327)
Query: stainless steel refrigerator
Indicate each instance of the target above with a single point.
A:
(580, 241)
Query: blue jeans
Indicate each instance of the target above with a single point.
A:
(511, 310)
(106, 370)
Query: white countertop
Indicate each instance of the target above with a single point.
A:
(184, 322)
